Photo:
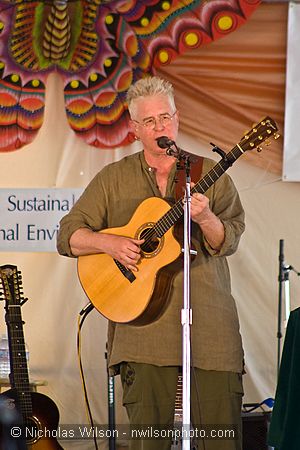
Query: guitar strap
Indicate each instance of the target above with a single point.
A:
(196, 172)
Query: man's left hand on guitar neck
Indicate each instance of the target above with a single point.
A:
(210, 224)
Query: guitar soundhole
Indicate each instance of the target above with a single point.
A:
(152, 244)
(32, 430)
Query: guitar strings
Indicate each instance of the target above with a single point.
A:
(175, 212)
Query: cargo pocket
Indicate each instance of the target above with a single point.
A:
(130, 383)
(236, 383)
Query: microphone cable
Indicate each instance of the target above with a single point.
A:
(81, 318)
(249, 407)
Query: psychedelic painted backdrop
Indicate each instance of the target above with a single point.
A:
(99, 47)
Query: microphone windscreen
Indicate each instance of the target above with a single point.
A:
(164, 142)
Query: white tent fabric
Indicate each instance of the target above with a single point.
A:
(58, 159)
(291, 156)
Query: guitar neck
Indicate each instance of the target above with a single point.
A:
(175, 213)
(217, 171)
(17, 350)
(19, 377)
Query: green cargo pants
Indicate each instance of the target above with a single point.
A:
(149, 397)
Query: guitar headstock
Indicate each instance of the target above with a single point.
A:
(11, 281)
(260, 132)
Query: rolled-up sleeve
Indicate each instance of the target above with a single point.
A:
(88, 212)
(226, 204)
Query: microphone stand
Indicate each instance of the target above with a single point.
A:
(280, 280)
(284, 281)
(111, 408)
(186, 312)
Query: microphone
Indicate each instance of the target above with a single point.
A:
(164, 142)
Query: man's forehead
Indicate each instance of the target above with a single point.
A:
(153, 105)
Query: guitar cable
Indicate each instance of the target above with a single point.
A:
(81, 318)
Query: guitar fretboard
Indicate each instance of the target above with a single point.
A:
(19, 377)
(174, 214)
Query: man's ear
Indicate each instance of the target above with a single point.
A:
(133, 128)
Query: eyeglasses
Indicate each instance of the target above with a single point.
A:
(150, 122)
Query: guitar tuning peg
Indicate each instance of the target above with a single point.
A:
(259, 149)
(267, 142)
(276, 136)
(23, 301)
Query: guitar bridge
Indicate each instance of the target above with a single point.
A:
(126, 272)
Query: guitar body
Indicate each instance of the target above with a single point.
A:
(35, 416)
(145, 298)
(45, 416)
(141, 297)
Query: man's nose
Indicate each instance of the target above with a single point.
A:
(158, 124)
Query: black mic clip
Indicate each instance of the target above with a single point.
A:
(183, 158)
(172, 152)
(290, 268)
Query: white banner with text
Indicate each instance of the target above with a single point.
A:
(29, 218)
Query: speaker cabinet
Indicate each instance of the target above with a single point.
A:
(255, 430)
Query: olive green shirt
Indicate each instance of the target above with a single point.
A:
(109, 201)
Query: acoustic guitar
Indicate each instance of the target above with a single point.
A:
(141, 297)
(35, 414)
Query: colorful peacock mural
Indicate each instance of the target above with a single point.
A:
(99, 47)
